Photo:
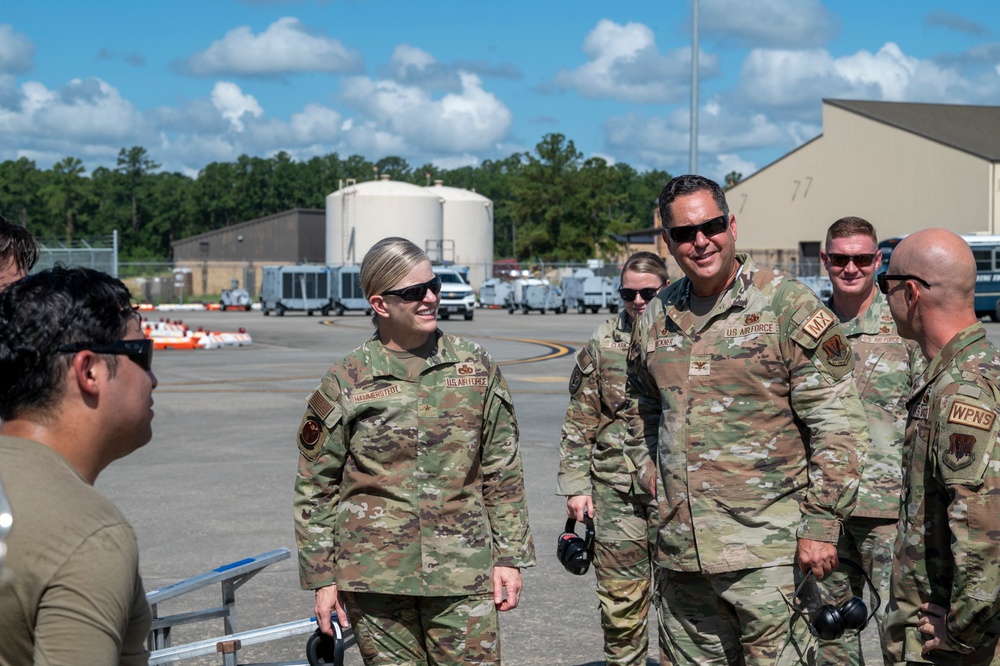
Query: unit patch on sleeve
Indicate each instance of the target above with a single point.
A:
(815, 326)
(310, 433)
(837, 353)
(971, 416)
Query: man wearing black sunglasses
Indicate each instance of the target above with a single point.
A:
(943, 608)
(886, 366)
(75, 395)
(751, 436)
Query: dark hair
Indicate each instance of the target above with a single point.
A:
(851, 226)
(685, 185)
(17, 244)
(44, 311)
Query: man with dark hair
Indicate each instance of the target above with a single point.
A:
(750, 434)
(885, 366)
(18, 252)
(75, 395)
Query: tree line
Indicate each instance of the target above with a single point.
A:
(550, 204)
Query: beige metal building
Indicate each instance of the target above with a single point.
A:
(901, 166)
(217, 258)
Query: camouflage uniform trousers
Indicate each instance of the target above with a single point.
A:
(739, 617)
(403, 630)
(868, 542)
(623, 556)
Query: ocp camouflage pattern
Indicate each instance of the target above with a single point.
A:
(414, 485)
(885, 367)
(753, 420)
(592, 445)
(947, 551)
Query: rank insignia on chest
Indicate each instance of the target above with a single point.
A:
(837, 353)
(961, 451)
(815, 326)
(700, 367)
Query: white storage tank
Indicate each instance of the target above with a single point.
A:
(360, 214)
(468, 225)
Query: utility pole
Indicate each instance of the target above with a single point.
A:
(693, 156)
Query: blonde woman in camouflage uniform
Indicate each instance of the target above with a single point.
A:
(409, 504)
(596, 476)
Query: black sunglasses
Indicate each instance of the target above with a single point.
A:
(686, 234)
(628, 295)
(416, 292)
(841, 260)
(139, 351)
(884, 278)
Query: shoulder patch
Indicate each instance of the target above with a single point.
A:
(971, 416)
(838, 354)
(815, 326)
(575, 380)
(961, 448)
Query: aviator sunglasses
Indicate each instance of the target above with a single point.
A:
(628, 295)
(686, 234)
(138, 351)
(841, 260)
(416, 292)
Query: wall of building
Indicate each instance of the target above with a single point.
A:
(292, 236)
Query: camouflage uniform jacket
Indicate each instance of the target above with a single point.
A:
(410, 484)
(885, 367)
(948, 552)
(753, 419)
(594, 434)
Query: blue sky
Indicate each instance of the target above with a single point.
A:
(457, 83)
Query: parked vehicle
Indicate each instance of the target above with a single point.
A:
(457, 297)
(295, 288)
(586, 291)
(535, 294)
(346, 293)
(235, 298)
(494, 293)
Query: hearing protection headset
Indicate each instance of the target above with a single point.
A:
(576, 553)
(829, 622)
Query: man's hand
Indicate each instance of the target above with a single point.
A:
(933, 622)
(327, 603)
(578, 505)
(506, 579)
(819, 556)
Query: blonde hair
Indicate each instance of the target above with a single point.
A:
(388, 262)
(646, 262)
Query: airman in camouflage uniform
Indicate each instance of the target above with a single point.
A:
(946, 574)
(751, 428)
(598, 478)
(410, 495)
(885, 367)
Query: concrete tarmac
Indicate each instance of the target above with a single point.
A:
(215, 483)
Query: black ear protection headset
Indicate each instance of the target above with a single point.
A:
(322, 650)
(576, 553)
(829, 622)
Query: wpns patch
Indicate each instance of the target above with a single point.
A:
(961, 451)
(837, 352)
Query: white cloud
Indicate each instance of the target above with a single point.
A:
(16, 51)
(286, 47)
(472, 119)
(791, 83)
(768, 23)
(232, 104)
(625, 64)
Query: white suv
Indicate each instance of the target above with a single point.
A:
(457, 297)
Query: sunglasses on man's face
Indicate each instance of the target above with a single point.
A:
(138, 351)
(647, 293)
(859, 260)
(686, 234)
(884, 279)
(416, 292)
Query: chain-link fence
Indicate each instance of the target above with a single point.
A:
(99, 253)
